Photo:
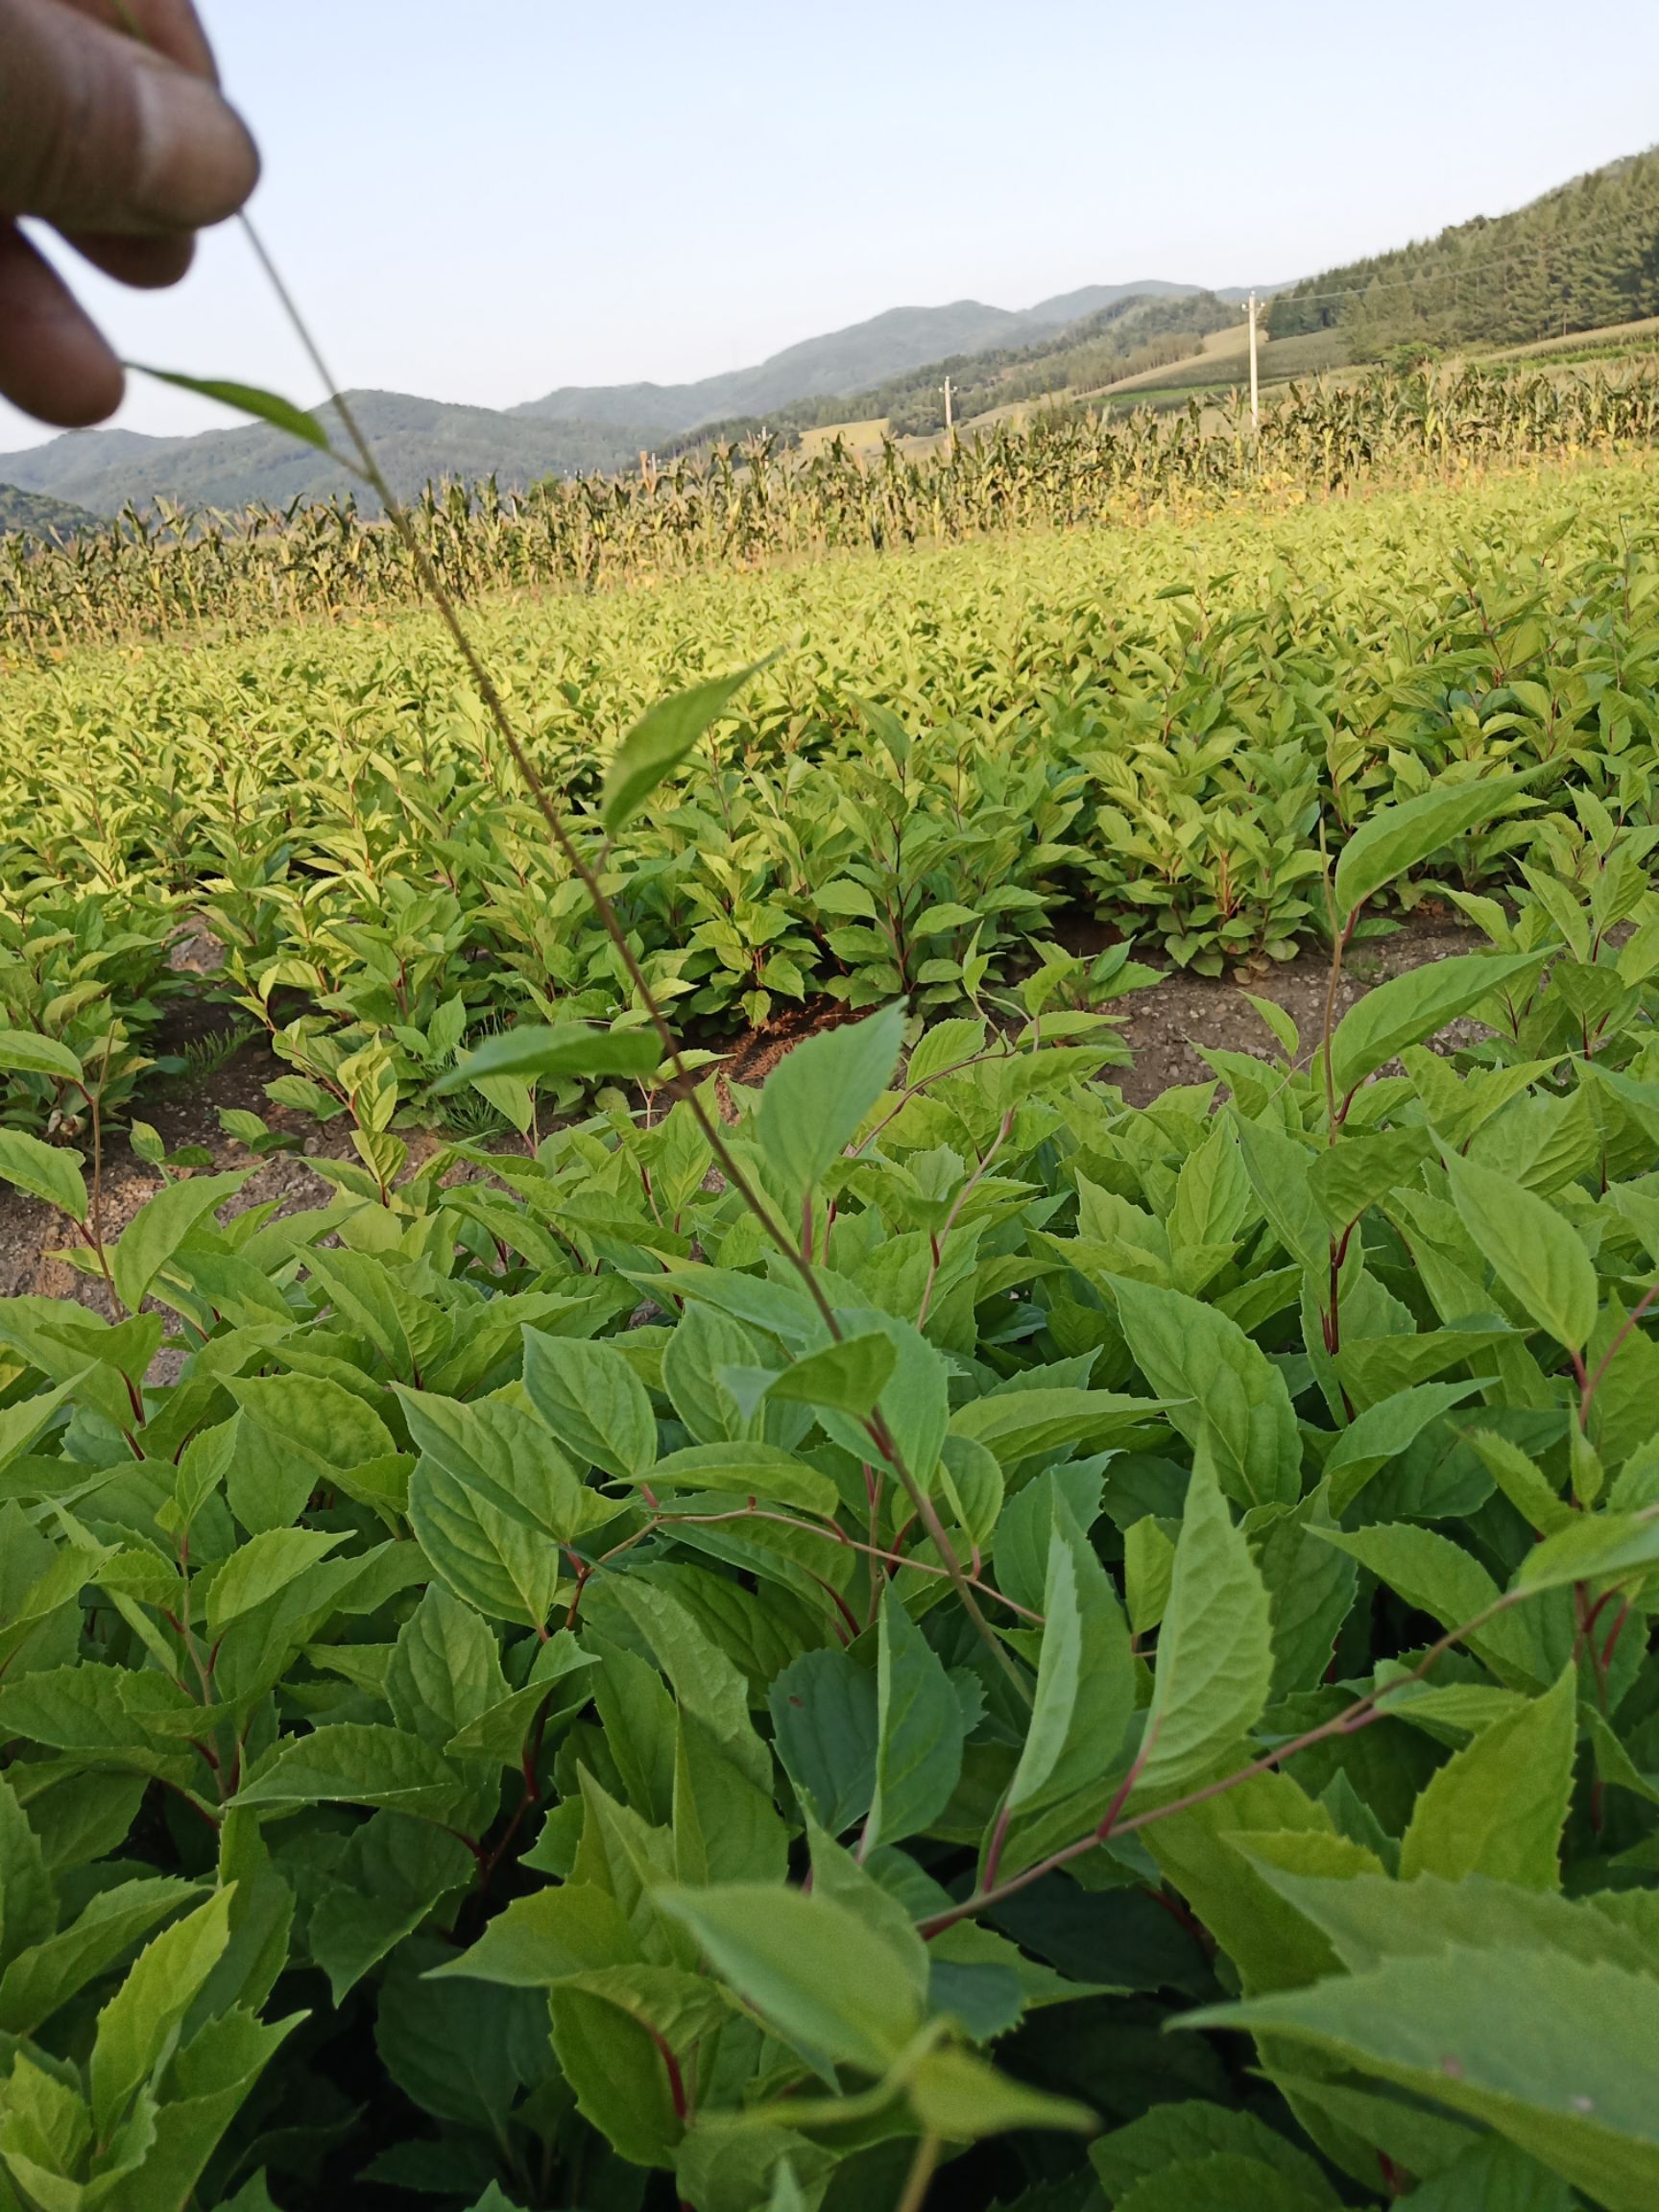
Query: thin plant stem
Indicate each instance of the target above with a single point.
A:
(369, 470)
(1349, 1721)
(919, 2178)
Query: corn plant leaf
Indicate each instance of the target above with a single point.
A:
(246, 399)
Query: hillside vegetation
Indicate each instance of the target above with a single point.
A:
(842, 361)
(1584, 256)
(30, 515)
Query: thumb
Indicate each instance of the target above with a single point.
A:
(100, 134)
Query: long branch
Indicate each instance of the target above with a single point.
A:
(1353, 1718)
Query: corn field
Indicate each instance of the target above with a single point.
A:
(149, 574)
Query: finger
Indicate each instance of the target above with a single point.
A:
(98, 133)
(145, 263)
(53, 363)
(170, 26)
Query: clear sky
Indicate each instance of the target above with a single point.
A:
(480, 201)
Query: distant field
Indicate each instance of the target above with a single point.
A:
(1641, 338)
(857, 437)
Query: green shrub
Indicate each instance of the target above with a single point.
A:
(1104, 1619)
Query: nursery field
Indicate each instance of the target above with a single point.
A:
(915, 1635)
(952, 768)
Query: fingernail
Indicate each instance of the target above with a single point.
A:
(196, 163)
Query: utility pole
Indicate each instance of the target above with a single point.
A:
(1255, 386)
(950, 425)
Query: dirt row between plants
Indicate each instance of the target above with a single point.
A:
(1163, 1027)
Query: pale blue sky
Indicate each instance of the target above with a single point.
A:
(481, 201)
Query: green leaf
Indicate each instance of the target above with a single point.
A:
(1592, 1547)
(1497, 1806)
(160, 1227)
(1148, 1567)
(706, 1682)
(751, 1471)
(1214, 1648)
(26, 1052)
(547, 1936)
(848, 1376)
(955, 2095)
(246, 399)
(493, 1559)
(357, 1763)
(825, 1727)
(1418, 1004)
(1397, 838)
(1557, 2055)
(1439, 1577)
(45, 1171)
(1085, 1676)
(264, 1565)
(46, 1974)
(614, 2068)
(136, 2029)
(822, 1978)
(1383, 1433)
(1190, 2131)
(567, 1048)
(1218, 1384)
(506, 1457)
(946, 1044)
(1534, 1252)
(444, 1670)
(659, 741)
(919, 1753)
(818, 1096)
(592, 1400)
(394, 1874)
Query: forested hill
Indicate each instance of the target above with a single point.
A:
(39, 516)
(1584, 255)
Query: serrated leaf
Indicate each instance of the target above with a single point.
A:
(1534, 1251)
(1214, 1648)
(1497, 1806)
(919, 1750)
(818, 1096)
(825, 1981)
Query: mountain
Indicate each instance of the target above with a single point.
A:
(1578, 258)
(416, 439)
(1136, 331)
(578, 428)
(850, 360)
(30, 515)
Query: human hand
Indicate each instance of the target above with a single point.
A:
(123, 143)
